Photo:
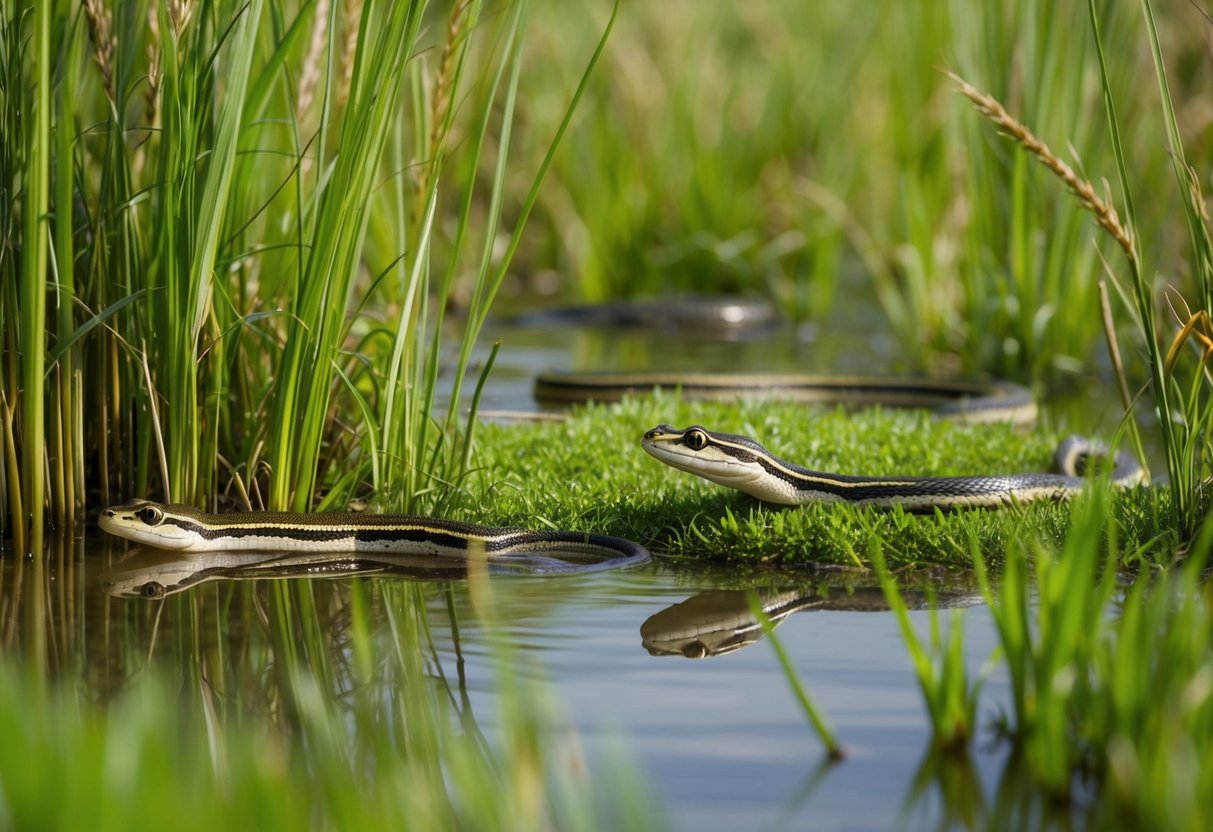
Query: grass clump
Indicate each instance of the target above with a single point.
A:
(939, 665)
(590, 473)
(224, 280)
(1180, 391)
(1111, 683)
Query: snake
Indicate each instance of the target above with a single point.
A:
(741, 463)
(714, 622)
(186, 529)
(967, 401)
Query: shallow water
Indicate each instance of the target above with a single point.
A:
(720, 740)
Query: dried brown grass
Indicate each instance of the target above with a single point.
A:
(1105, 214)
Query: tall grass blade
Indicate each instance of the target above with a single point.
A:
(35, 208)
(821, 726)
(305, 376)
(940, 668)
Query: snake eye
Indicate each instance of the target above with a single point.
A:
(695, 439)
(152, 590)
(150, 515)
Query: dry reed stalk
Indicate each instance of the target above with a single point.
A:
(310, 77)
(180, 12)
(154, 47)
(351, 14)
(440, 101)
(1105, 214)
(151, 97)
(101, 33)
(442, 84)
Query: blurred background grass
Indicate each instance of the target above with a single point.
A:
(813, 155)
(211, 254)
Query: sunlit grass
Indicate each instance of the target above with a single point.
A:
(950, 696)
(590, 473)
(1110, 693)
(1181, 395)
(220, 330)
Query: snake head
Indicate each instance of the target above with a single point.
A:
(720, 457)
(144, 522)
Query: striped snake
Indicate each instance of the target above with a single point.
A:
(741, 463)
(184, 528)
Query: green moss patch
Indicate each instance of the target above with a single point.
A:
(590, 473)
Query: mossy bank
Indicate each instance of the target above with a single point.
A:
(590, 473)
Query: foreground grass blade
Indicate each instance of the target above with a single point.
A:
(940, 668)
(820, 726)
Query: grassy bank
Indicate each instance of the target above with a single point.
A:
(590, 473)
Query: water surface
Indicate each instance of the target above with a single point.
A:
(720, 740)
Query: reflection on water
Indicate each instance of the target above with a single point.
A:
(154, 573)
(722, 743)
(719, 621)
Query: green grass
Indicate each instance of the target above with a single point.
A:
(590, 473)
(230, 240)
(768, 151)
(939, 666)
(1110, 704)
(260, 215)
(226, 278)
(1178, 389)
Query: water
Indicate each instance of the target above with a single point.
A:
(720, 740)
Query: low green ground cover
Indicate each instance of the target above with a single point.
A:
(591, 473)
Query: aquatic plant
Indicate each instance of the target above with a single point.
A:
(814, 715)
(1182, 396)
(246, 229)
(332, 709)
(1110, 696)
(943, 678)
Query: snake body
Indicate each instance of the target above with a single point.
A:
(741, 463)
(184, 528)
(960, 400)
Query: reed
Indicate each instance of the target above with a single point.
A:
(1181, 395)
(220, 328)
(330, 240)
